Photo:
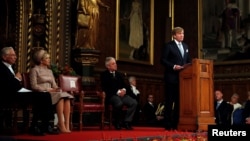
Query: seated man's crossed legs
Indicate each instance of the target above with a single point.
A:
(120, 120)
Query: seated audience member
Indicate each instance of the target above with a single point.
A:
(133, 92)
(223, 110)
(42, 80)
(153, 114)
(247, 121)
(114, 86)
(246, 110)
(236, 117)
(10, 82)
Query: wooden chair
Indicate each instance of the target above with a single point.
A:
(85, 101)
(13, 108)
(28, 110)
(26, 80)
(8, 108)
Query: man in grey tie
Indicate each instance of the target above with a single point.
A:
(173, 59)
(181, 49)
(223, 109)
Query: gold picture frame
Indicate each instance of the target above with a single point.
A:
(143, 34)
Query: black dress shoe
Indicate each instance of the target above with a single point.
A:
(168, 128)
(36, 131)
(127, 126)
(117, 126)
(52, 131)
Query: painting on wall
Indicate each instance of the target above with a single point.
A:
(134, 31)
(226, 30)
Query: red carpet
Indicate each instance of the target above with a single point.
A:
(138, 134)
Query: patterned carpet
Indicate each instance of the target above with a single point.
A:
(138, 134)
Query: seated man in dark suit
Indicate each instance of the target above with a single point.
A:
(153, 114)
(113, 84)
(223, 110)
(246, 110)
(10, 82)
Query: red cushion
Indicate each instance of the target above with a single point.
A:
(89, 106)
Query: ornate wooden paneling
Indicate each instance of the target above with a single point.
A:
(232, 77)
(189, 20)
(43, 24)
(150, 86)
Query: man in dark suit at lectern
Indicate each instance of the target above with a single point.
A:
(174, 56)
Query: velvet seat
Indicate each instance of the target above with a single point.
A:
(84, 101)
(27, 110)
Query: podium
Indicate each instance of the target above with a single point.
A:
(196, 96)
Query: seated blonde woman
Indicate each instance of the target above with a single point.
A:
(42, 79)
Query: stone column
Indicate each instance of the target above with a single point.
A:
(88, 59)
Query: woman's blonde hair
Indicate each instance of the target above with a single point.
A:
(39, 55)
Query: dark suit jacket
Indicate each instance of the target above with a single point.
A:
(110, 85)
(171, 56)
(223, 113)
(246, 110)
(131, 93)
(8, 83)
(149, 112)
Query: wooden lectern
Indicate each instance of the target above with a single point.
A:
(196, 96)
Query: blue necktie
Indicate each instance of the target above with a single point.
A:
(181, 49)
(218, 104)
